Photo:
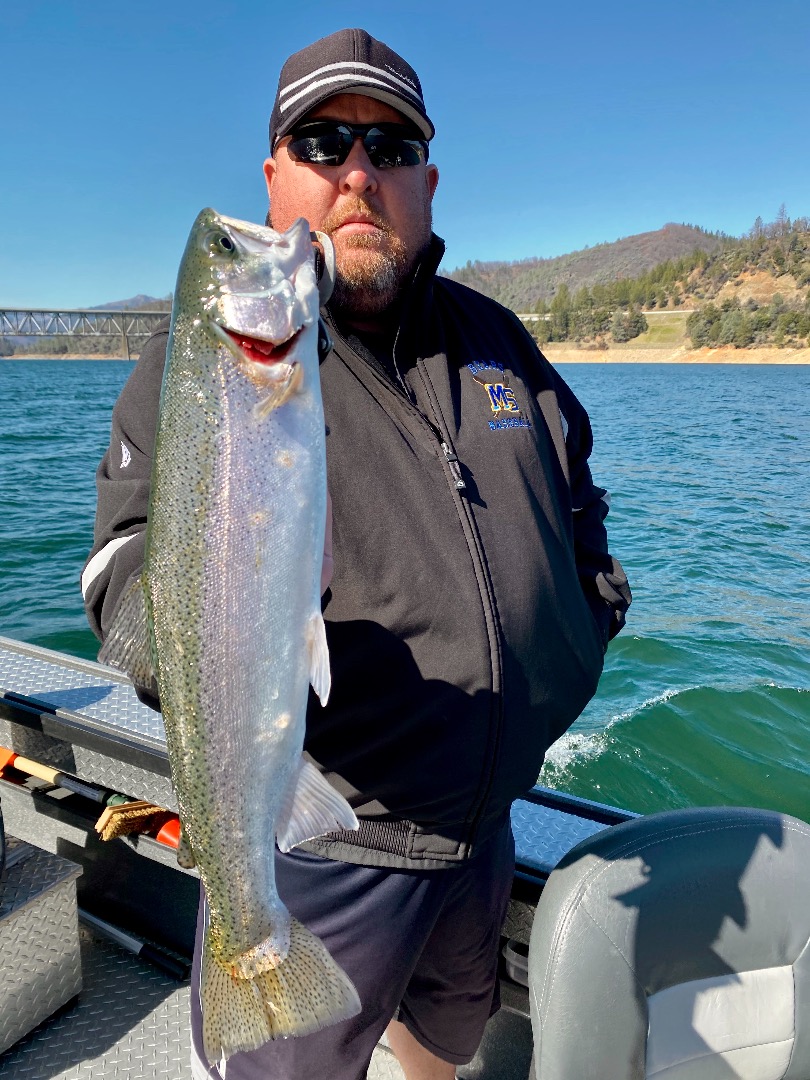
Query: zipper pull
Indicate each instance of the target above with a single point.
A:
(452, 460)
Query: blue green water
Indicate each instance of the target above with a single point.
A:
(706, 694)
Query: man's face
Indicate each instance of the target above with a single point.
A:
(379, 220)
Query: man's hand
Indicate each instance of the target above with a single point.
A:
(328, 562)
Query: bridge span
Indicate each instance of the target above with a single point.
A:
(124, 325)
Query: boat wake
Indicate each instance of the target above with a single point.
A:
(696, 745)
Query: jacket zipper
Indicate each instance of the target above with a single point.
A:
(455, 468)
(404, 391)
(487, 595)
(479, 563)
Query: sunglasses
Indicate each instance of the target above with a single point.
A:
(329, 142)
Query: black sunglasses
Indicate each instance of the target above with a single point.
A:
(329, 142)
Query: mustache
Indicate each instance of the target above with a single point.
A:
(346, 211)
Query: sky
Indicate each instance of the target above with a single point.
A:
(559, 126)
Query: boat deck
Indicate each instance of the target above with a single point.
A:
(130, 1022)
(131, 1019)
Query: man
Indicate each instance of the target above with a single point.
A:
(473, 595)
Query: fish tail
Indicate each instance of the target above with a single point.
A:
(306, 992)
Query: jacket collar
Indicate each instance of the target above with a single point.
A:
(414, 314)
(414, 309)
(419, 285)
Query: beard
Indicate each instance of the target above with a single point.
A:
(372, 269)
(368, 277)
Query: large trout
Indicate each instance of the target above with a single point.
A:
(227, 616)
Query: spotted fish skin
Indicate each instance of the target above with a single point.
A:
(231, 592)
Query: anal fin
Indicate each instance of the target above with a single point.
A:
(311, 808)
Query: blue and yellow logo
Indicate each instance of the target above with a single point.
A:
(501, 397)
(502, 400)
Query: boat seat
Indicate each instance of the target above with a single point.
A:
(676, 947)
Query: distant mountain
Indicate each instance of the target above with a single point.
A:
(520, 285)
(150, 303)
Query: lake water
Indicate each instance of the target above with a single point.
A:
(706, 694)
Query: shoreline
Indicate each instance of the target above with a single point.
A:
(69, 356)
(565, 353)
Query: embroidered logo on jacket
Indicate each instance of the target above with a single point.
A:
(502, 400)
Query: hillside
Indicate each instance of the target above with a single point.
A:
(753, 291)
(520, 285)
(757, 294)
(136, 303)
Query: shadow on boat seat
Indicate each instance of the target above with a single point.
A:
(676, 946)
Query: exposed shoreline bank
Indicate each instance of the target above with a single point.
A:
(68, 356)
(565, 353)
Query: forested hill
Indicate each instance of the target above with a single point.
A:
(141, 302)
(520, 285)
(753, 291)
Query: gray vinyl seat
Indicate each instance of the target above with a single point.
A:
(676, 947)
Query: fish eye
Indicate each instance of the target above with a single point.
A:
(219, 245)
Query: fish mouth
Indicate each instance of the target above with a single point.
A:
(259, 351)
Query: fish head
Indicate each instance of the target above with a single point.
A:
(254, 289)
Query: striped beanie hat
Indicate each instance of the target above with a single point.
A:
(347, 62)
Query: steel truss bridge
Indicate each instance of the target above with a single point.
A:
(124, 325)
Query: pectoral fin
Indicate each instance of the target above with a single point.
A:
(128, 645)
(311, 808)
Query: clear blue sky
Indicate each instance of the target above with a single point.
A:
(559, 125)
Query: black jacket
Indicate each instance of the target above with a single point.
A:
(473, 594)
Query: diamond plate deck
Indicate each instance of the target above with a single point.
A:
(90, 765)
(72, 686)
(384, 1066)
(99, 704)
(130, 1022)
(39, 950)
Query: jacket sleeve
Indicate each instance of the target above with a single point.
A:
(122, 481)
(602, 578)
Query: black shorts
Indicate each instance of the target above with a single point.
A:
(421, 946)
